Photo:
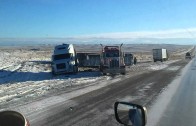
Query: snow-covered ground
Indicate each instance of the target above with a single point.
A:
(183, 51)
(25, 76)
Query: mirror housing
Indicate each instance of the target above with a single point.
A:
(12, 118)
(130, 114)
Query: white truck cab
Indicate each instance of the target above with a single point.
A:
(64, 59)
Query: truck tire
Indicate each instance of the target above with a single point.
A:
(155, 60)
(104, 73)
(101, 68)
(123, 73)
(53, 73)
(75, 69)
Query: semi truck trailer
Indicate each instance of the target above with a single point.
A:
(160, 55)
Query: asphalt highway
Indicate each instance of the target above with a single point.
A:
(181, 111)
(96, 108)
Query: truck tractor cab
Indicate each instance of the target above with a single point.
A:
(64, 59)
(112, 60)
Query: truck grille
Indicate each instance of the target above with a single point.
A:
(61, 66)
(114, 63)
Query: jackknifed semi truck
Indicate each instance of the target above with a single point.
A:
(64, 59)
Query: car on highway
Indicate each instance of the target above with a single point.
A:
(188, 55)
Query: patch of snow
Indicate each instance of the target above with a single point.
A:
(47, 102)
(39, 88)
(160, 66)
(173, 68)
(130, 98)
(26, 74)
(146, 87)
(184, 51)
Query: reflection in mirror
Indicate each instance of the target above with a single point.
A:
(12, 118)
(130, 114)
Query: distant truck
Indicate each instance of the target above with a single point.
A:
(160, 55)
(112, 60)
(64, 59)
(188, 55)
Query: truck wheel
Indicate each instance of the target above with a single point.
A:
(75, 69)
(53, 73)
(155, 60)
(104, 73)
(123, 73)
(101, 68)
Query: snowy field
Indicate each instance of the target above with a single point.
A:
(25, 76)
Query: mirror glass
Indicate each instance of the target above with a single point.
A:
(12, 118)
(129, 115)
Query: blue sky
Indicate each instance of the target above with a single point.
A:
(68, 18)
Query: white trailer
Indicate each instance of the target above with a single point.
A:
(160, 55)
(64, 59)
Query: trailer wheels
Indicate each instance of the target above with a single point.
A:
(75, 69)
(53, 73)
(123, 73)
(104, 73)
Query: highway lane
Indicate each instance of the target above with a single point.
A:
(96, 108)
(181, 111)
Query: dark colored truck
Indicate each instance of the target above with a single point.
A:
(188, 55)
(112, 60)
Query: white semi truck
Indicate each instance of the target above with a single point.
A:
(160, 55)
(64, 59)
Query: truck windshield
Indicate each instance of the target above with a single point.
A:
(62, 56)
(112, 54)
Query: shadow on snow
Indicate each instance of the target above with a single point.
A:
(19, 76)
(41, 62)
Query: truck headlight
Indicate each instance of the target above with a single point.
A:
(72, 63)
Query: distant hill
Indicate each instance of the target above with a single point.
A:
(94, 40)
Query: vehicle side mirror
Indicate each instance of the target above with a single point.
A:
(12, 118)
(130, 114)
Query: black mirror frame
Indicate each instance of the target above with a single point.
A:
(143, 109)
